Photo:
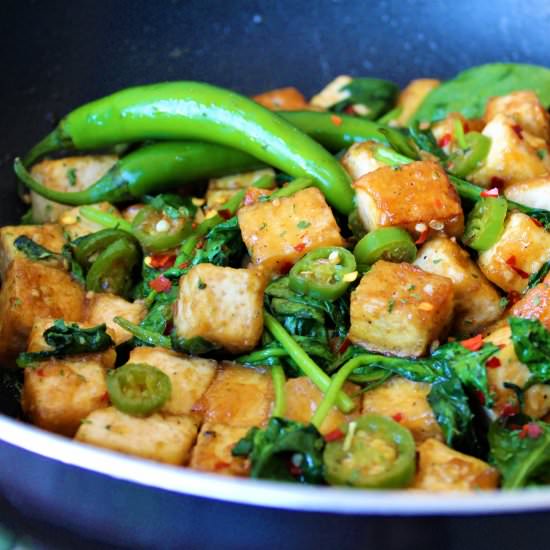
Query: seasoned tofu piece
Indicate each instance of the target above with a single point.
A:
(534, 192)
(526, 110)
(303, 397)
(59, 393)
(407, 403)
(535, 304)
(510, 369)
(521, 251)
(104, 307)
(76, 225)
(477, 303)
(49, 235)
(239, 396)
(67, 174)
(412, 96)
(332, 93)
(278, 233)
(212, 453)
(32, 290)
(282, 99)
(222, 305)
(165, 439)
(417, 196)
(190, 376)
(400, 309)
(514, 155)
(360, 160)
(441, 468)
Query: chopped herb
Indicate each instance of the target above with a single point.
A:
(541, 153)
(202, 284)
(504, 302)
(391, 304)
(263, 226)
(71, 176)
(303, 224)
(411, 287)
(436, 260)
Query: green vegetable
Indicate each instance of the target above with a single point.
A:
(193, 346)
(138, 389)
(374, 453)
(539, 276)
(470, 90)
(485, 223)
(471, 156)
(35, 251)
(68, 339)
(147, 337)
(105, 219)
(425, 141)
(278, 377)
(387, 243)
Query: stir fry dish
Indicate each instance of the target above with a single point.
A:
(352, 290)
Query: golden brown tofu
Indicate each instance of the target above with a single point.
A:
(400, 309)
(303, 397)
(222, 305)
(278, 233)
(212, 453)
(59, 393)
(282, 99)
(360, 160)
(76, 225)
(477, 303)
(67, 174)
(407, 403)
(32, 290)
(441, 468)
(239, 396)
(412, 96)
(526, 110)
(190, 376)
(104, 307)
(535, 304)
(431, 200)
(332, 93)
(165, 439)
(533, 192)
(521, 250)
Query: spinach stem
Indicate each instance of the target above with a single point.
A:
(105, 219)
(148, 336)
(390, 115)
(293, 187)
(279, 379)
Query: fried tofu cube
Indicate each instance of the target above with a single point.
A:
(212, 453)
(48, 235)
(76, 225)
(514, 155)
(282, 99)
(412, 96)
(332, 93)
(67, 175)
(400, 309)
(303, 397)
(104, 307)
(521, 250)
(167, 439)
(526, 110)
(535, 304)
(534, 192)
(59, 393)
(222, 305)
(477, 303)
(32, 290)
(360, 159)
(407, 403)
(190, 376)
(239, 396)
(278, 233)
(441, 468)
(431, 200)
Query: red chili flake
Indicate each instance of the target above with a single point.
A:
(349, 110)
(225, 214)
(444, 140)
(466, 126)
(531, 430)
(438, 204)
(512, 262)
(160, 261)
(345, 345)
(220, 465)
(200, 245)
(336, 120)
(300, 247)
(398, 417)
(294, 470)
(493, 363)
(518, 130)
(509, 409)
(536, 222)
(480, 397)
(422, 237)
(161, 284)
(513, 297)
(183, 265)
(493, 192)
(40, 372)
(497, 182)
(335, 435)
(473, 344)
(105, 397)
(194, 225)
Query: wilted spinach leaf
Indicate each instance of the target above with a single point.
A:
(33, 250)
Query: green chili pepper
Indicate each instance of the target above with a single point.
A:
(374, 452)
(466, 160)
(138, 389)
(89, 245)
(392, 244)
(485, 223)
(193, 110)
(321, 273)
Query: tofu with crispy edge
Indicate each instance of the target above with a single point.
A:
(49, 236)
(526, 110)
(222, 305)
(212, 453)
(360, 160)
(76, 225)
(535, 304)
(104, 307)
(441, 468)
(477, 303)
(190, 376)
(32, 290)
(521, 250)
(534, 192)
(278, 233)
(302, 398)
(412, 96)
(417, 197)
(239, 396)
(514, 155)
(282, 99)
(407, 403)
(400, 309)
(167, 439)
(67, 175)
(511, 370)
(332, 93)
